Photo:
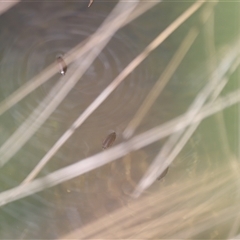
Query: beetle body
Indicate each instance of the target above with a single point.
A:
(62, 65)
(109, 140)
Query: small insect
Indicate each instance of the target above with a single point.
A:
(163, 174)
(90, 3)
(62, 65)
(109, 140)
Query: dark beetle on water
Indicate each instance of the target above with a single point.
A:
(109, 140)
(62, 65)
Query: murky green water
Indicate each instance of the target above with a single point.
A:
(32, 35)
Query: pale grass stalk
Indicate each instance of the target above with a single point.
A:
(154, 226)
(116, 152)
(62, 88)
(208, 17)
(224, 81)
(223, 216)
(171, 200)
(102, 97)
(156, 168)
(236, 237)
(124, 225)
(213, 198)
(6, 5)
(191, 231)
(184, 205)
(172, 229)
(161, 83)
(172, 147)
(172, 221)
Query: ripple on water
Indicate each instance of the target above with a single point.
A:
(37, 46)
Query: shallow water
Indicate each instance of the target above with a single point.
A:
(43, 31)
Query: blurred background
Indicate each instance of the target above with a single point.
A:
(199, 196)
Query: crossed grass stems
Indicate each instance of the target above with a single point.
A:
(179, 130)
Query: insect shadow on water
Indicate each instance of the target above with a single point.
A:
(163, 174)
